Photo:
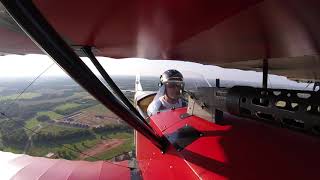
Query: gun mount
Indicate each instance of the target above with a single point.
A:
(293, 109)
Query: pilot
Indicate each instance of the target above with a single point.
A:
(169, 95)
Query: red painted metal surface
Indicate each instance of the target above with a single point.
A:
(161, 123)
(155, 165)
(239, 149)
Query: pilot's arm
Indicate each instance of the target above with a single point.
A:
(154, 107)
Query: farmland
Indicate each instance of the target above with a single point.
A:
(66, 106)
(57, 119)
(28, 95)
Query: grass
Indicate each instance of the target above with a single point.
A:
(47, 128)
(56, 129)
(84, 144)
(120, 135)
(13, 150)
(84, 95)
(28, 95)
(33, 122)
(98, 109)
(125, 147)
(66, 106)
(80, 145)
(53, 115)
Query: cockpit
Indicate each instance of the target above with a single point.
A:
(192, 82)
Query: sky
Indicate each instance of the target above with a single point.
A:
(33, 65)
(29, 65)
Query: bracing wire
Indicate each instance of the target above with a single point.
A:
(35, 132)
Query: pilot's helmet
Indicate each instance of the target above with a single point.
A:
(171, 75)
(172, 83)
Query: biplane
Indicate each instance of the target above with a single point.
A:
(240, 132)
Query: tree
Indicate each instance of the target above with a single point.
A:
(13, 134)
(43, 118)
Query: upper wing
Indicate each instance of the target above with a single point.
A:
(232, 33)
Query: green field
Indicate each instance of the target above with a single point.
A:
(83, 95)
(127, 146)
(78, 144)
(13, 150)
(120, 135)
(81, 145)
(73, 147)
(98, 109)
(66, 106)
(28, 95)
(57, 129)
(47, 101)
(53, 115)
(33, 122)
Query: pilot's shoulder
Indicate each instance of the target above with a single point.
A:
(154, 107)
(155, 104)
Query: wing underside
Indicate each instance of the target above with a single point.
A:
(233, 34)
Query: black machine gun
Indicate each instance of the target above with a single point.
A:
(293, 109)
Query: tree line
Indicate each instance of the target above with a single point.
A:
(112, 128)
(47, 137)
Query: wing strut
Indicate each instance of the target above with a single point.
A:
(87, 50)
(39, 30)
(265, 68)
